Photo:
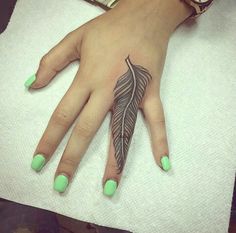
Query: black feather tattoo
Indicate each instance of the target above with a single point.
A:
(128, 93)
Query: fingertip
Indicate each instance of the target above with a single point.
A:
(61, 183)
(38, 162)
(29, 82)
(165, 163)
(34, 82)
(37, 85)
(110, 187)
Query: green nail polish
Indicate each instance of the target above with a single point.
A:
(38, 162)
(61, 183)
(165, 162)
(110, 187)
(30, 81)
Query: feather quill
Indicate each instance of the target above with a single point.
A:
(128, 93)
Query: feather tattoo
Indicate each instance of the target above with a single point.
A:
(128, 93)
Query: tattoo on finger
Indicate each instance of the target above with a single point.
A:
(128, 92)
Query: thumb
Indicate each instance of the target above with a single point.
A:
(56, 59)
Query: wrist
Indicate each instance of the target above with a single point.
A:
(169, 13)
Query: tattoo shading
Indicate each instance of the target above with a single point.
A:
(128, 93)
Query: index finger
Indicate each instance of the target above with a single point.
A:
(66, 51)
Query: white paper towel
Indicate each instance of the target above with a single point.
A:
(198, 92)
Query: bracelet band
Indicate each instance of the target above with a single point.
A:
(198, 5)
(105, 4)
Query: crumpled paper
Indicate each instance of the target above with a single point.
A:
(198, 90)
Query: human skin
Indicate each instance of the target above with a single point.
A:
(133, 30)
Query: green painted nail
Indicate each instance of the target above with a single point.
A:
(165, 162)
(60, 184)
(38, 162)
(30, 81)
(110, 187)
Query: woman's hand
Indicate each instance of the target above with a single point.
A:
(122, 54)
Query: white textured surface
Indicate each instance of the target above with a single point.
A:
(199, 97)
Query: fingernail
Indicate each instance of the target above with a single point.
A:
(30, 81)
(38, 162)
(165, 162)
(110, 187)
(60, 184)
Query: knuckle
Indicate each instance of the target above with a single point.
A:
(44, 62)
(112, 166)
(69, 162)
(61, 118)
(47, 144)
(162, 141)
(152, 100)
(40, 83)
(158, 121)
(84, 129)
